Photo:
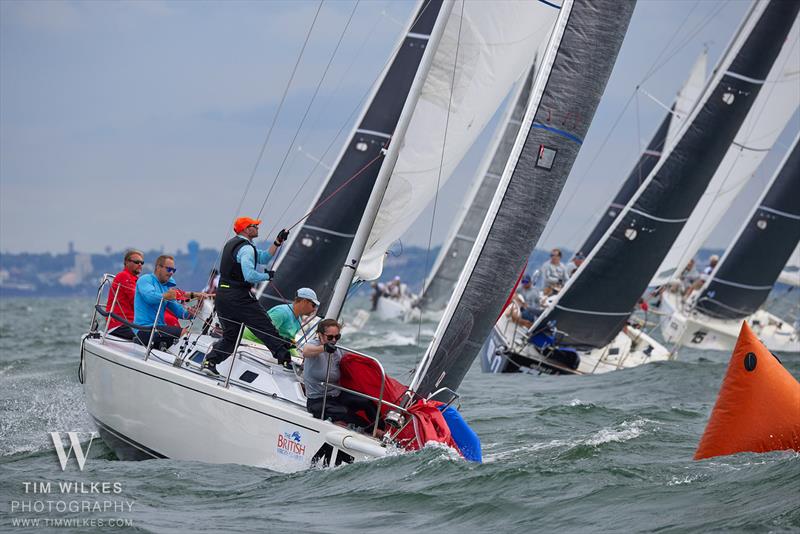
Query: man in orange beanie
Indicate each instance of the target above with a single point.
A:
(235, 303)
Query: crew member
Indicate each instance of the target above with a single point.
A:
(235, 304)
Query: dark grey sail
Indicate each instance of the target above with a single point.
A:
(742, 280)
(572, 76)
(596, 302)
(319, 247)
(455, 251)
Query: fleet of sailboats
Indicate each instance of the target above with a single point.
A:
(455, 64)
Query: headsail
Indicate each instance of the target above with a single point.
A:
(572, 76)
(595, 303)
(684, 102)
(458, 244)
(742, 280)
(776, 103)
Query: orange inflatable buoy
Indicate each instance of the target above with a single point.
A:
(758, 408)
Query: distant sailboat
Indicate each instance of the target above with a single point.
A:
(742, 280)
(576, 333)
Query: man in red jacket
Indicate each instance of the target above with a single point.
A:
(123, 288)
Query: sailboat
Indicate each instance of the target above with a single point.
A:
(154, 403)
(578, 330)
(495, 356)
(742, 280)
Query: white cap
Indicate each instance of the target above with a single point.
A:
(308, 294)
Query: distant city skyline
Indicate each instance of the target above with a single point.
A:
(138, 124)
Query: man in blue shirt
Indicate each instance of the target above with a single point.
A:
(234, 302)
(150, 289)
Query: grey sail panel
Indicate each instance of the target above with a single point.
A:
(596, 302)
(647, 162)
(319, 249)
(564, 100)
(438, 291)
(744, 277)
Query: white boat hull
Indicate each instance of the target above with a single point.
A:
(151, 409)
(699, 331)
(396, 309)
(508, 350)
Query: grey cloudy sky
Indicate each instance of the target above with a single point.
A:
(139, 123)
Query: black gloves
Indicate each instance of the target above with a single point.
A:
(271, 274)
(282, 236)
(330, 348)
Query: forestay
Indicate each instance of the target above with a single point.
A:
(776, 103)
(567, 89)
(597, 300)
(486, 48)
(744, 277)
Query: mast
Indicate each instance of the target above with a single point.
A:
(744, 277)
(597, 300)
(390, 158)
(573, 74)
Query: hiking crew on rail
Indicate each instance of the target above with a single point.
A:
(236, 305)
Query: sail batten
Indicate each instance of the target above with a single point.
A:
(571, 78)
(672, 190)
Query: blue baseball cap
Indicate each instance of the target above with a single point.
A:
(526, 279)
(308, 294)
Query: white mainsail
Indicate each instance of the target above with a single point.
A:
(495, 43)
(775, 104)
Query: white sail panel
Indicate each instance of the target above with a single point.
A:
(688, 95)
(775, 104)
(496, 46)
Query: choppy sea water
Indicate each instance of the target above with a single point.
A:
(577, 454)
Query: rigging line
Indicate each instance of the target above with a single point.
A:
(441, 162)
(338, 189)
(308, 108)
(272, 126)
(349, 117)
(347, 121)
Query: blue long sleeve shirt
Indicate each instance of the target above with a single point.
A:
(247, 260)
(149, 292)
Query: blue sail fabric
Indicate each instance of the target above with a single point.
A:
(467, 440)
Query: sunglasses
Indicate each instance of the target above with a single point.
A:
(137, 262)
(336, 337)
(170, 270)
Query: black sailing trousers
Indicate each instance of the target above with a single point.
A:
(236, 306)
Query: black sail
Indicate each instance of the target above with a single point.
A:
(318, 248)
(594, 305)
(564, 99)
(647, 162)
(454, 256)
(744, 277)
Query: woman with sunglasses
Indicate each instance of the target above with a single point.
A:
(340, 406)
